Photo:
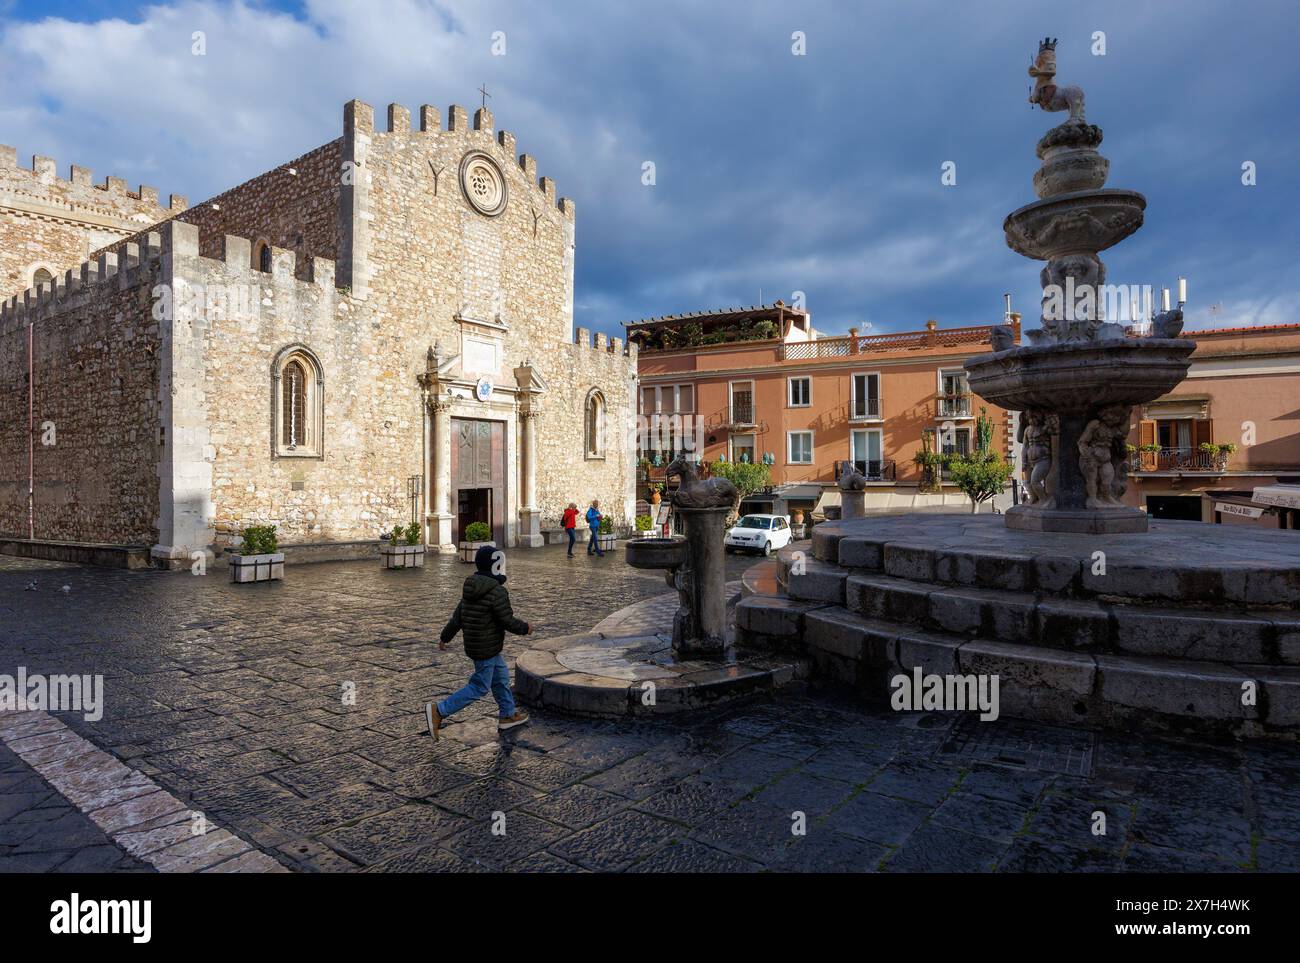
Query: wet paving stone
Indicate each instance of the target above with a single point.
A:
(876, 818)
(616, 843)
(576, 807)
(232, 700)
(980, 816)
(937, 845)
(498, 840)
(689, 856)
(826, 851)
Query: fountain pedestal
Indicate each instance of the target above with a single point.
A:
(854, 503)
(700, 627)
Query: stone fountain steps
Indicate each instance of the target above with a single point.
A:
(1175, 647)
(1183, 563)
(1035, 682)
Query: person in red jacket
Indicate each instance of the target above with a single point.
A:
(570, 524)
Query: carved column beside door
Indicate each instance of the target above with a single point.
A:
(530, 516)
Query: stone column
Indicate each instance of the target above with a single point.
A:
(441, 535)
(530, 516)
(854, 503)
(703, 634)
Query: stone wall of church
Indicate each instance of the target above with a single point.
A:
(433, 265)
(56, 223)
(97, 415)
(295, 207)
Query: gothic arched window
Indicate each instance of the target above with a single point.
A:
(41, 276)
(297, 393)
(594, 424)
(262, 256)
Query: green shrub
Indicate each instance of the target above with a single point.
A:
(980, 476)
(644, 523)
(478, 532)
(606, 526)
(412, 533)
(259, 540)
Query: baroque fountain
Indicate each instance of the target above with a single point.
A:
(1077, 380)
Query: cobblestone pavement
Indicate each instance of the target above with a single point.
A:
(235, 699)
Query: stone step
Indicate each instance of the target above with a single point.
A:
(808, 579)
(772, 622)
(760, 579)
(595, 674)
(1058, 686)
(1264, 636)
(1179, 563)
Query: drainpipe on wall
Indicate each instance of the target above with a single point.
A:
(31, 435)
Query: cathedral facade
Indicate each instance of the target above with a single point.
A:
(376, 332)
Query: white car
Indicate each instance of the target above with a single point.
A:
(759, 533)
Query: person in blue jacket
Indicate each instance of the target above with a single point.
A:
(593, 522)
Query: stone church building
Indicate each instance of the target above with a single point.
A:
(378, 331)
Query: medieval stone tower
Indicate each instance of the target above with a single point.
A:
(378, 331)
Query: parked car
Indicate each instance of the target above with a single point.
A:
(759, 533)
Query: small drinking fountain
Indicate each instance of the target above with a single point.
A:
(695, 564)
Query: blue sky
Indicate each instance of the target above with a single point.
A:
(817, 173)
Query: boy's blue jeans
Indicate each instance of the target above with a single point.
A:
(488, 674)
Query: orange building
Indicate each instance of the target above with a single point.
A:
(1233, 425)
(760, 384)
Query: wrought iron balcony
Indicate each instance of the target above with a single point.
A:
(740, 413)
(864, 408)
(954, 406)
(877, 469)
(1178, 459)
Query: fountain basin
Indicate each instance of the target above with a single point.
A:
(1081, 222)
(655, 553)
(1078, 376)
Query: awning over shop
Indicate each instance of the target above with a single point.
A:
(1279, 496)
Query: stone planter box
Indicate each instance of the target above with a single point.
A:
(402, 556)
(256, 568)
(468, 550)
(606, 542)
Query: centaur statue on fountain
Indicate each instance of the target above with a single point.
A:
(1045, 93)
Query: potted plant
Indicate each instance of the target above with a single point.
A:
(606, 538)
(477, 534)
(1216, 456)
(1150, 456)
(656, 494)
(404, 548)
(258, 558)
(644, 524)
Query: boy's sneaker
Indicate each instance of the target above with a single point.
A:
(432, 718)
(509, 722)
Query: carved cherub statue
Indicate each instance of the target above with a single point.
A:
(1102, 439)
(1046, 94)
(1036, 432)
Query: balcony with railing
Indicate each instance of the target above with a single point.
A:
(740, 413)
(953, 406)
(878, 470)
(864, 407)
(1179, 460)
(843, 347)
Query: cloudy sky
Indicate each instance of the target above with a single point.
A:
(774, 172)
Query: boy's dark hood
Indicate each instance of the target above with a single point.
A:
(479, 585)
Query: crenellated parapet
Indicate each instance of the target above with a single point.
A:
(359, 121)
(138, 263)
(603, 343)
(39, 191)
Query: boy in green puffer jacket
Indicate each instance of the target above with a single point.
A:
(484, 615)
